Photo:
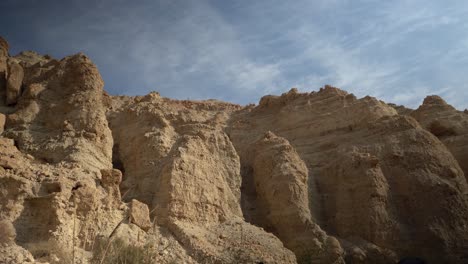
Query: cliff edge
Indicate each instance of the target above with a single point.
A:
(320, 177)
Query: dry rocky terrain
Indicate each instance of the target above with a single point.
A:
(320, 177)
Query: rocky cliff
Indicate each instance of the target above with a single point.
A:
(320, 177)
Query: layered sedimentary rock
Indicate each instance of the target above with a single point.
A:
(446, 123)
(187, 170)
(60, 115)
(366, 166)
(320, 177)
(280, 184)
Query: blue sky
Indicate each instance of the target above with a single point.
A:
(398, 51)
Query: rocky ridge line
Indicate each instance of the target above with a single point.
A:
(320, 177)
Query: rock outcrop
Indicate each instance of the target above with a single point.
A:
(61, 117)
(187, 170)
(3, 72)
(446, 123)
(320, 177)
(139, 215)
(369, 171)
(14, 81)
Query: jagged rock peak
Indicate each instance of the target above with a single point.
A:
(29, 58)
(326, 92)
(320, 177)
(434, 100)
(328, 89)
(4, 46)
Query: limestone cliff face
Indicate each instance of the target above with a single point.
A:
(321, 177)
(370, 172)
(60, 115)
(446, 123)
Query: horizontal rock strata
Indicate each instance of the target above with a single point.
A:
(320, 177)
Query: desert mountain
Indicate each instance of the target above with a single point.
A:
(320, 177)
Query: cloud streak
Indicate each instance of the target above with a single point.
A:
(398, 51)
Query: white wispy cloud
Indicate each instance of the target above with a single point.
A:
(398, 50)
(390, 50)
(184, 53)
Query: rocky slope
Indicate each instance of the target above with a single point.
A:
(321, 177)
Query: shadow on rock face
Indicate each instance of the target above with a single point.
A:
(412, 260)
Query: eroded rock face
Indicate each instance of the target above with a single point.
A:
(280, 182)
(2, 122)
(188, 172)
(366, 166)
(14, 81)
(321, 177)
(62, 118)
(49, 204)
(110, 180)
(3, 71)
(446, 123)
(139, 214)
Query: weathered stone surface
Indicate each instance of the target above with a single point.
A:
(321, 177)
(47, 203)
(448, 124)
(233, 241)
(3, 47)
(280, 182)
(2, 123)
(110, 180)
(139, 215)
(14, 81)
(401, 109)
(353, 149)
(3, 70)
(12, 254)
(62, 118)
(187, 170)
(7, 233)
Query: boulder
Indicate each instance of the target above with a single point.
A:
(139, 215)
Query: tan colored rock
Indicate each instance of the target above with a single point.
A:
(8, 161)
(139, 215)
(203, 166)
(372, 201)
(320, 177)
(446, 123)
(13, 254)
(352, 149)
(3, 70)
(110, 180)
(401, 109)
(233, 241)
(282, 202)
(37, 68)
(3, 47)
(7, 232)
(2, 123)
(71, 130)
(188, 171)
(14, 81)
